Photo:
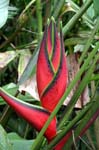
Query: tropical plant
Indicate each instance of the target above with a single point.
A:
(49, 78)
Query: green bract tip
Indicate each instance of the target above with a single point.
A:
(60, 25)
(52, 19)
(48, 21)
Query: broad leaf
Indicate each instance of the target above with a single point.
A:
(96, 6)
(4, 141)
(30, 84)
(3, 11)
(12, 89)
(19, 143)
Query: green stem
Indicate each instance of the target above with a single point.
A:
(96, 129)
(26, 130)
(75, 41)
(39, 17)
(95, 77)
(70, 125)
(86, 47)
(47, 11)
(28, 6)
(89, 137)
(86, 122)
(74, 19)
(92, 54)
(23, 18)
(71, 106)
(7, 113)
(87, 20)
(57, 8)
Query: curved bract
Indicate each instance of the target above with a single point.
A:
(51, 68)
(36, 116)
(51, 82)
(51, 78)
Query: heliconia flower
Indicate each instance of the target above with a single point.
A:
(36, 116)
(52, 76)
(52, 71)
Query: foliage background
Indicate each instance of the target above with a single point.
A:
(19, 43)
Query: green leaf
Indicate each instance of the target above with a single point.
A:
(30, 68)
(96, 6)
(4, 141)
(90, 12)
(3, 11)
(12, 88)
(12, 11)
(12, 141)
(13, 136)
(19, 143)
(23, 61)
(22, 144)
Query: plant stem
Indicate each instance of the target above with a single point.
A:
(70, 125)
(47, 11)
(96, 129)
(64, 96)
(86, 122)
(39, 17)
(28, 6)
(7, 113)
(86, 19)
(71, 105)
(74, 19)
(88, 134)
(21, 22)
(57, 8)
(86, 47)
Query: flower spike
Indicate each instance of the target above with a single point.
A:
(52, 73)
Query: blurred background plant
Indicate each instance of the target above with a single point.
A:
(21, 27)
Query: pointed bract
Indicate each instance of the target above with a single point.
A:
(36, 116)
(52, 72)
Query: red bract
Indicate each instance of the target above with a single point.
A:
(36, 116)
(64, 140)
(51, 68)
(51, 82)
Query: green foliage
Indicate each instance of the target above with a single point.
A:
(96, 7)
(12, 141)
(19, 143)
(4, 141)
(20, 38)
(3, 11)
